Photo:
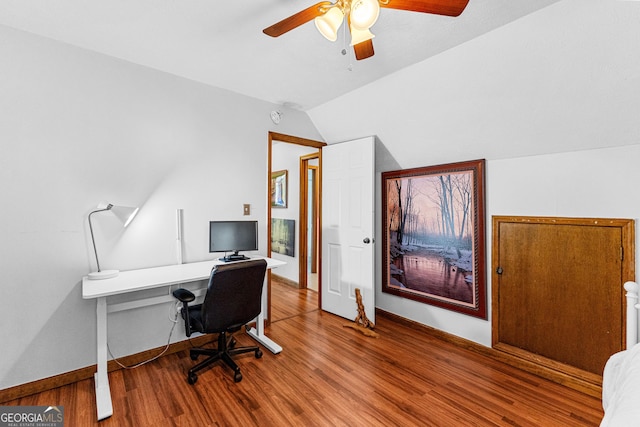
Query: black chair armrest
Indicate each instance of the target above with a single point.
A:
(185, 297)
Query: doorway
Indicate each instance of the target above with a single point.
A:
(301, 208)
(309, 221)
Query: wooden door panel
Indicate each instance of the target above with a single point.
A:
(559, 294)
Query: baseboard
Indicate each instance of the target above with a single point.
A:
(587, 385)
(56, 381)
(286, 281)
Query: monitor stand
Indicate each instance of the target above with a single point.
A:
(234, 257)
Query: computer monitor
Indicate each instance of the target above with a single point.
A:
(233, 236)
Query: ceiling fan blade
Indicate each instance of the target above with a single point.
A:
(363, 50)
(437, 7)
(297, 19)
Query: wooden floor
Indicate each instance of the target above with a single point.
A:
(329, 375)
(287, 302)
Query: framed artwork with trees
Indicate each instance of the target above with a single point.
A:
(433, 246)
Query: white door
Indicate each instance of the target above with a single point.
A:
(348, 227)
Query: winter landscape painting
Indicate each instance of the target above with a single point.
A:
(433, 236)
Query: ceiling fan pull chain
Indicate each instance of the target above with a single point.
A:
(344, 40)
(344, 50)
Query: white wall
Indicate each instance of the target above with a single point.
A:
(551, 101)
(77, 128)
(597, 183)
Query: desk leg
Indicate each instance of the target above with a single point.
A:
(101, 378)
(258, 332)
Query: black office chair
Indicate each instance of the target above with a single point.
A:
(232, 300)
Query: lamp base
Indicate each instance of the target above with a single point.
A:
(104, 274)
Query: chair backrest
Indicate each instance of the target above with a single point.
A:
(234, 295)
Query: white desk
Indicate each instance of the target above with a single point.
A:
(149, 278)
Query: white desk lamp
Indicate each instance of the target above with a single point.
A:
(124, 214)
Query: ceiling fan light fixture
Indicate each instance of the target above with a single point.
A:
(359, 36)
(364, 13)
(329, 23)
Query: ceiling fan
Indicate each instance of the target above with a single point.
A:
(360, 16)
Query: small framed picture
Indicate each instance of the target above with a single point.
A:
(279, 189)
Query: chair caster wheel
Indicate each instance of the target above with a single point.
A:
(232, 343)
(193, 356)
(192, 378)
(237, 377)
(258, 354)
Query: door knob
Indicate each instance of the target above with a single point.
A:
(366, 240)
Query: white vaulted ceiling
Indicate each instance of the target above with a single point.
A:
(222, 44)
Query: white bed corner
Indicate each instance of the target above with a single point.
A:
(621, 376)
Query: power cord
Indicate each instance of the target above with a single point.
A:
(137, 365)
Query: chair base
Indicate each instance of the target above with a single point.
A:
(226, 349)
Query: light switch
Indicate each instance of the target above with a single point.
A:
(246, 209)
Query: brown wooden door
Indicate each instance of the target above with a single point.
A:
(558, 288)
